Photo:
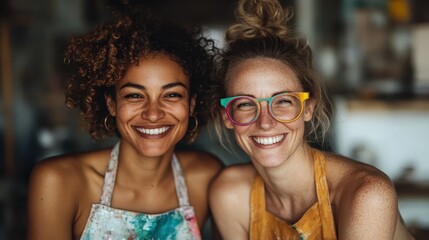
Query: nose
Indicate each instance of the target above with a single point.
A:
(153, 111)
(265, 120)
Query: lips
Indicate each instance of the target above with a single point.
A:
(153, 131)
(268, 140)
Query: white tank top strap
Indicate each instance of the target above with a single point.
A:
(110, 177)
(179, 180)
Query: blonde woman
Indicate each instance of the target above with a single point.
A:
(269, 97)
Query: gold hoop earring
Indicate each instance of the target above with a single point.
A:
(192, 133)
(193, 126)
(106, 124)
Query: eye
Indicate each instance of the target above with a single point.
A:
(133, 95)
(244, 104)
(283, 101)
(174, 96)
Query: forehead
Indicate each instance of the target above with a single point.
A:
(155, 68)
(261, 76)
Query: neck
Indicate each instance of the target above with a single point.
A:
(290, 188)
(143, 170)
(292, 175)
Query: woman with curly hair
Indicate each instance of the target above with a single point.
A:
(140, 78)
(270, 99)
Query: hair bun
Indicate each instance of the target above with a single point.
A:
(259, 18)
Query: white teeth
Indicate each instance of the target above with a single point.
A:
(153, 131)
(268, 140)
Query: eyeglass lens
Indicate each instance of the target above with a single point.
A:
(284, 107)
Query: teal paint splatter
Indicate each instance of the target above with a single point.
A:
(157, 227)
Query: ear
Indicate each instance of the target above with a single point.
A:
(192, 105)
(111, 104)
(225, 118)
(309, 109)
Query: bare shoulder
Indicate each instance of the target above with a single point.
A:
(199, 164)
(364, 200)
(49, 194)
(238, 173)
(69, 168)
(234, 181)
(68, 175)
(229, 199)
(58, 187)
(351, 178)
(369, 189)
(55, 171)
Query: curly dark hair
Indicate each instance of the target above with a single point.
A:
(101, 57)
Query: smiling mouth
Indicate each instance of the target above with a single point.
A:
(153, 131)
(268, 140)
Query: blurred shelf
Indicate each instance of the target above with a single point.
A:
(412, 190)
(414, 104)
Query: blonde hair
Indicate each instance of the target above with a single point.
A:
(258, 18)
(262, 31)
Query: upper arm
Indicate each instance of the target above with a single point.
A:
(368, 209)
(199, 168)
(229, 202)
(50, 207)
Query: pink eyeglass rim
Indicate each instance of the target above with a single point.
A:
(302, 96)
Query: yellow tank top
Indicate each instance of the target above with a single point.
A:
(316, 223)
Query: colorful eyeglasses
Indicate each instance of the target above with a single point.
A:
(284, 107)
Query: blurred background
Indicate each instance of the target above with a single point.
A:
(371, 53)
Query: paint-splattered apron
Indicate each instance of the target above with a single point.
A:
(105, 222)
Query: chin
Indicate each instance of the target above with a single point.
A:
(268, 160)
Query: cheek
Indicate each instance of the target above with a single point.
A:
(297, 129)
(180, 110)
(299, 123)
(242, 132)
(127, 110)
(243, 139)
(126, 113)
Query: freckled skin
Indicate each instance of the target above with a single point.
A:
(363, 198)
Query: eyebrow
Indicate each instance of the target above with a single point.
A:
(276, 93)
(141, 87)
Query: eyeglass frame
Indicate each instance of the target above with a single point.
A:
(302, 96)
